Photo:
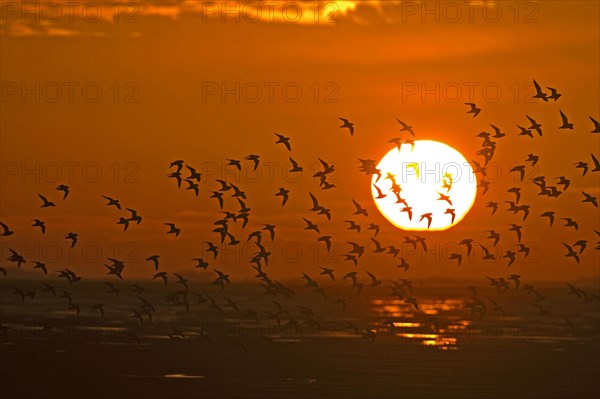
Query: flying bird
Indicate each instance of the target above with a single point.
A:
(519, 169)
(134, 216)
(563, 181)
(353, 225)
(533, 159)
(295, 166)
(591, 199)
(444, 198)
(40, 224)
(154, 260)
(112, 201)
(473, 109)
(517, 229)
(571, 253)
(539, 93)
(534, 125)
(497, 133)
(6, 231)
(347, 124)
(554, 95)
(374, 227)
(234, 162)
(201, 263)
(374, 280)
(405, 127)
(64, 189)
(493, 205)
(570, 223)
(283, 140)
(284, 194)
(194, 175)
(163, 276)
(42, 267)
(549, 215)
(596, 125)
(403, 265)
(457, 257)
(255, 159)
(511, 255)
(219, 196)
(582, 165)
(311, 226)
(408, 210)
(45, 202)
(359, 210)
(380, 195)
(327, 272)
(596, 164)
(426, 216)
(450, 211)
(73, 237)
(525, 132)
(565, 122)
(487, 254)
(493, 236)
(173, 229)
(517, 192)
(468, 242)
(327, 241)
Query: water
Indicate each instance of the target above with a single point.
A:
(380, 346)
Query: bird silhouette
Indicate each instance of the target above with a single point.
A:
(428, 217)
(473, 109)
(45, 202)
(444, 197)
(596, 125)
(40, 224)
(408, 211)
(295, 166)
(450, 211)
(112, 201)
(405, 127)
(283, 140)
(570, 223)
(347, 124)
(589, 198)
(534, 125)
(539, 93)
(596, 164)
(380, 195)
(571, 253)
(456, 256)
(65, 189)
(154, 260)
(493, 205)
(173, 229)
(359, 210)
(524, 131)
(284, 194)
(565, 122)
(549, 215)
(554, 95)
(6, 231)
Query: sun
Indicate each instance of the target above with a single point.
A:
(425, 186)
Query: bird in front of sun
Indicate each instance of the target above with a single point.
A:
(431, 179)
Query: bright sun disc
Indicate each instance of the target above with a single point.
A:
(433, 178)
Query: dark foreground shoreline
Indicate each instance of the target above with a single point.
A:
(357, 369)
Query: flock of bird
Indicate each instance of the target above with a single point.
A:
(232, 201)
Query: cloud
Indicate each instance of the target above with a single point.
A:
(23, 18)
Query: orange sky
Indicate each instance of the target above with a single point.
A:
(166, 57)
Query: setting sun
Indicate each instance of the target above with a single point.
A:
(425, 186)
